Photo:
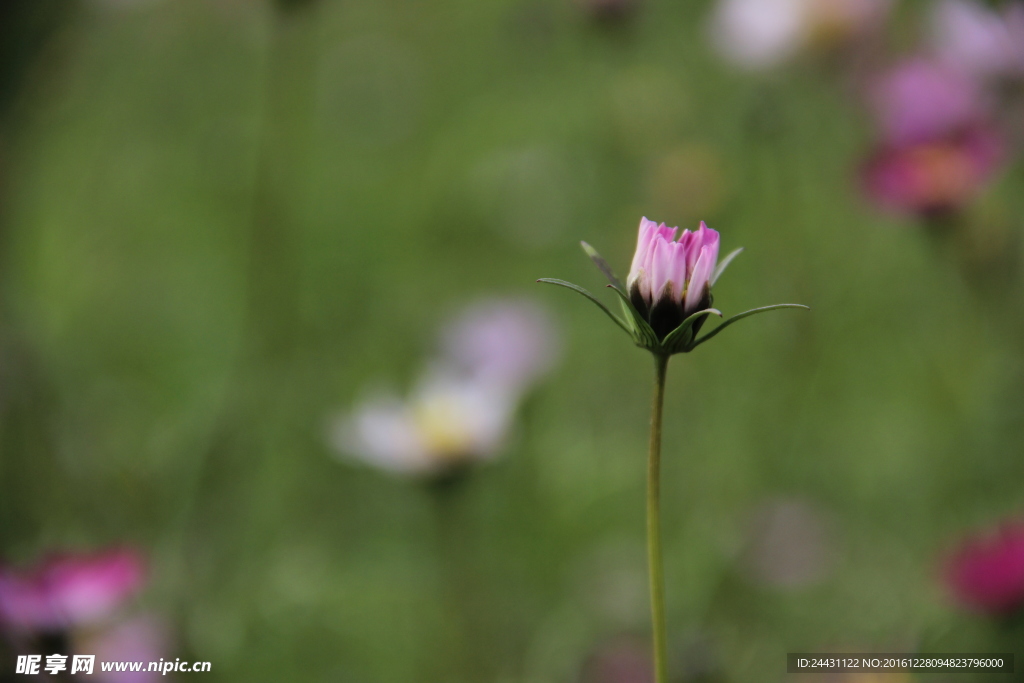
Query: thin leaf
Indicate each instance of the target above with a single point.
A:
(741, 316)
(577, 288)
(644, 329)
(603, 265)
(723, 264)
(672, 338)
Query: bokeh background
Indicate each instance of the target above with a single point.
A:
(223, 220)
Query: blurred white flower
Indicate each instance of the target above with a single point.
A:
(462, 408)
(978, 40)
(447, 421)
(760, 34)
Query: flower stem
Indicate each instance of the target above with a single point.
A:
(657, 575)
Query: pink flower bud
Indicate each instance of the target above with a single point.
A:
(671, 279)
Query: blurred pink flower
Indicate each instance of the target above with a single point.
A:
(671, 279)
(977, 40)
(504, 343)
(934, 176)
(920, 99)
(69, 590)
(986, 573)
(139, 639)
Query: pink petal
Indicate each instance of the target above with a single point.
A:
(677, 269)
(711, 239)
(645, 237)
(691, 248)
(661, 268)
(702, 271)
(666, 233)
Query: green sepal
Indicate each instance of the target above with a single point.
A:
(741, 316)
(722, 265)
(646, 337)
(576, 288)
(679, 339)
(603, 266)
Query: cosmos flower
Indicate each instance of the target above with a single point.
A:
(666, 300)
(939, 148)
(463, 407)
(986, 573)
(934, 177)
(760, 34)
(977, 40)
(921, 99)
(667, 296)
(68, 590)
(671, 279)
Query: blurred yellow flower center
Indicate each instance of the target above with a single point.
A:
(441, 421)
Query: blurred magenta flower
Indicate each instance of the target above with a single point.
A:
(463, 407)
(69, 590)
(977, 40)
(760, 34)
(986, 573)
(920, 100)
(939, 148)
(934, 177)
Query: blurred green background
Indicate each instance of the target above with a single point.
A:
(222, 220)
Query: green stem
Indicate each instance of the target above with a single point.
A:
(657, 574)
